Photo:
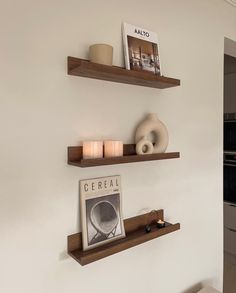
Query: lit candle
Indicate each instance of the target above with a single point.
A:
(160, 224)
(113, 148)
(92, 149)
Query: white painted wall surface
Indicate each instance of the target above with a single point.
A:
(43, 111)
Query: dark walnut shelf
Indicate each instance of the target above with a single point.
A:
(135, 235)
(85, 68)
(75, 157)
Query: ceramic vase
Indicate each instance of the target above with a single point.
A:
(151, 125)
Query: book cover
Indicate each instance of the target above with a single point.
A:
(101, 211)
(140, 49)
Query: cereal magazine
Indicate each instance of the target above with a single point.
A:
(101, 211)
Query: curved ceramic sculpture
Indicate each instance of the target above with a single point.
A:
(153, 125)
(144, 147)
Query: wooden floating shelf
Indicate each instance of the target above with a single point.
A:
(135, 235)
(75, 157)
(85, 68)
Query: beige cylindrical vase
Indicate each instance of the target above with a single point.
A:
(113, 148)
(101, 53)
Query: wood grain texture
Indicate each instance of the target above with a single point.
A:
(75, 157)
(135, 235)
(85, 68)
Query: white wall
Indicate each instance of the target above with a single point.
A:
(43, 111)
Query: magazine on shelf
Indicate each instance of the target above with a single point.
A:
(140, 49)
(101, 211)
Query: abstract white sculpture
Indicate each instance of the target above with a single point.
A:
(144, 147)
(151, 125)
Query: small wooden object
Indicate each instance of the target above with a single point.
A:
(135, 235)
(85, 68)
(75, 157)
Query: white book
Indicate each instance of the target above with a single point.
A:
(140, 49)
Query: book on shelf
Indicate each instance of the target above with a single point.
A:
(140, 49)
(101, 211)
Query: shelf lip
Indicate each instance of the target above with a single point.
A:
(122, 160)
(86, 257)
(85, 68)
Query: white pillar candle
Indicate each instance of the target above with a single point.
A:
(92, 149)
(113, 148)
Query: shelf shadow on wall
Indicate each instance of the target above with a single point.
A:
(197, 287)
